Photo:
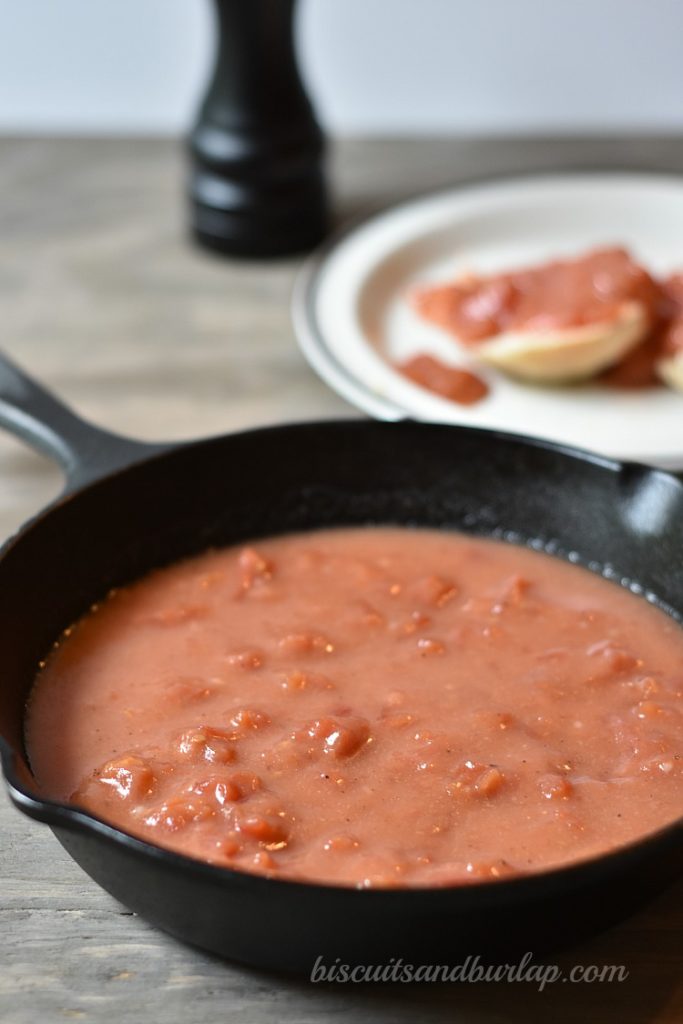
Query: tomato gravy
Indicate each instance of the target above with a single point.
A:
(375, 706)
(552, 296)
(672, 341)
(450, 382)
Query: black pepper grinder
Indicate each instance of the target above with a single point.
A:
(257, 186)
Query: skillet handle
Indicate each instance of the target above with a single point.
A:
(84, 452)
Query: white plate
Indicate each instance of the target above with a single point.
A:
(352, 318)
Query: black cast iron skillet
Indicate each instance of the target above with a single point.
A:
(129, 507)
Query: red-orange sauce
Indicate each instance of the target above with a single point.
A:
(672, 334)
(557, 294)
(369, 707)
(450, 382)
(638, 369)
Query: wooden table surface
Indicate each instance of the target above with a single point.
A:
(103, 297)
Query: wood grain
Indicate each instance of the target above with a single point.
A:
(105, 300)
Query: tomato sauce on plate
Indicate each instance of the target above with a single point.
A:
(458, 385)
(555, 295)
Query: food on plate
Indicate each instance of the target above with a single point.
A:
(461, 386)
(372, 706)
(659, 357)
(566, 320)
(670, 357)
(563, 320)
(638, 369)
(566, 354)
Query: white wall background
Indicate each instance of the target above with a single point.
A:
(374, 65)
